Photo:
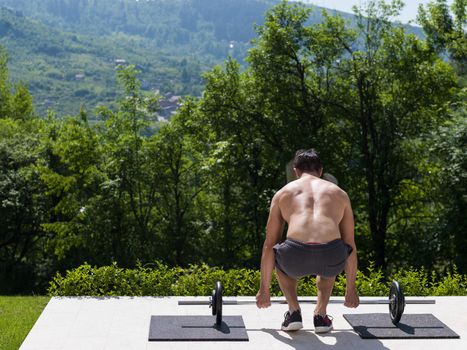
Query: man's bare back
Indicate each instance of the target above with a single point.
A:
(313, 209)
(316, 211)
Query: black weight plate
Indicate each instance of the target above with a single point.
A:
(213, 303)
(396, 302)
(219, 291)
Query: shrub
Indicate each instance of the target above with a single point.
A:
(414, 282)
(162, 280)
(158, 280)
(451, 284)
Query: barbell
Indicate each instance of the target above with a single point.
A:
(396, 302)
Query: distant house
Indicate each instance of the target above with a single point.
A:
(80, 76)
(120, 61)
(175, 99)
(169, 105)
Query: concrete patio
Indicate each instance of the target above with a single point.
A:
(123, 323)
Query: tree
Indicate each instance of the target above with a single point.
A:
(15, 100)
(132, 181)
(361, 95)
(445, 31)
(448, 149)
(246, 150)
(102, 182)
(390, 105)
(70, 168)
(23, 206)
(180, 163)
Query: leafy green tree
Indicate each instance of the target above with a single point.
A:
(101, 182)
(4, 85)
(246, 149)
(23, 206)
(231, 206)
(15, 100)
(132, 181)
(70, 170)
(445, 30)
(357, 94)
(390, 106)
(181, 166)
(448, 149)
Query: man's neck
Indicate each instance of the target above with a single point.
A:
(309, 174)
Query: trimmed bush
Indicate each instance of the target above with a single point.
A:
(161, 280)
(414, 282)
(451, 284)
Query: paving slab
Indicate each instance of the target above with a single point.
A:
(69, 323)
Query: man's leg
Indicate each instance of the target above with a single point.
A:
(288, 286)
(324, 286)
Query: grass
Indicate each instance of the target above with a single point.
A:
(17, 316)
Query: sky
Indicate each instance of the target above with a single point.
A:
(409, 12)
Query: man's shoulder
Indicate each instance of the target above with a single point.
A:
(285, 190)
(333, 189)
(339, 193)
(289, 187)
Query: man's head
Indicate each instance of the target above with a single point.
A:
(307, 161)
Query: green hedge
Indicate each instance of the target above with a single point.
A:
(162, 280)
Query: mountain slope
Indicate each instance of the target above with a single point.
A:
(166, 21)
(64, 70)
(66, 50)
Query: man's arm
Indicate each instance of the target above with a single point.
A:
(347, 230)
(274, 230)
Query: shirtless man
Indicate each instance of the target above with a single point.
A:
(320, 241)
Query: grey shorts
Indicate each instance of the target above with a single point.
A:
(297, 259)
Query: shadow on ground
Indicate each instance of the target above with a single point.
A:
(336, 340)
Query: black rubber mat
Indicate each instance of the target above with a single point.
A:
(197, 328)
(425, 326)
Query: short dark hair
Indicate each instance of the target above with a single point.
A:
(307, 161)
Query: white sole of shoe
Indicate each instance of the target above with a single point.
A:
(323, 329)
(294, 326)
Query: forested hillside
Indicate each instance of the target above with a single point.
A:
(166, 21)
(66, 50)
(64, 70)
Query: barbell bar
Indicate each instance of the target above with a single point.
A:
(306, 301)
(396, 302)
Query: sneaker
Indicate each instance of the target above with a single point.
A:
(292, 321)
(322, 324)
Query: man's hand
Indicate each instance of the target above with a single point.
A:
(274, 229)
(351, 298)
(263, 299)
